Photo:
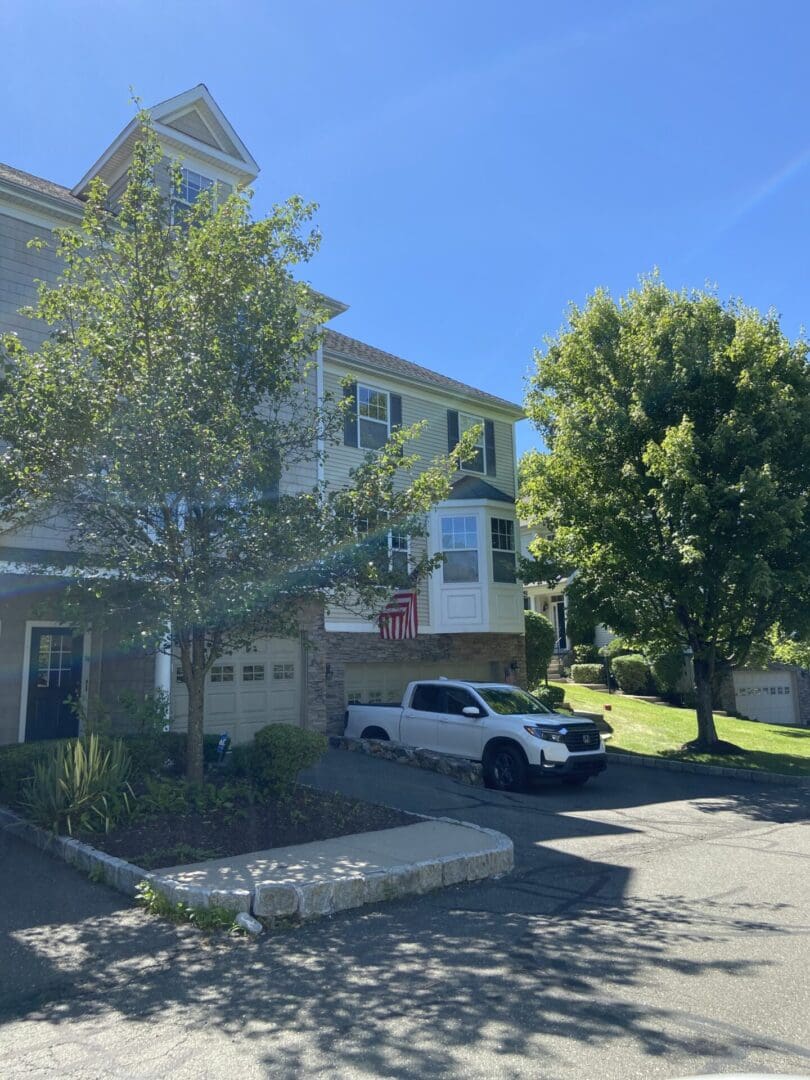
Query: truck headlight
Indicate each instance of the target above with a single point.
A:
(548, 734)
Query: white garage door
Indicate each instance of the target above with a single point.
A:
(766, 695)
(375, 683)
(246, 690)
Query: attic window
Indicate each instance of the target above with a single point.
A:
(192, 184)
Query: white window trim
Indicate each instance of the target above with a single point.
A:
(392, 549)
(33, 624)
(473, 421)
(510, 551)
(370, 419)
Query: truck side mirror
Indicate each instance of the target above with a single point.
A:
(471, 710)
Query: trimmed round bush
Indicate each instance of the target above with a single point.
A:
(551, 696)
(588, 673)
(540, 638)
(279, 753)
(632, 673)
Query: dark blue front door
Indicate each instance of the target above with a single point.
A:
(54, 683)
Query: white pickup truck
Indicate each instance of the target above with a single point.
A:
(512, 733)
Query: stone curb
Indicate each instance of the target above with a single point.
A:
(467, 772)
(272, 899)
(757, 776)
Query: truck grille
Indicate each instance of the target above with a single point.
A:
(578, 739)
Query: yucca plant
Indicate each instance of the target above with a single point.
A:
(82, 785)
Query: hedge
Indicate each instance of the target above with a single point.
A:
(551, 696)
(632, 673)
(540, 638)
(588, 673)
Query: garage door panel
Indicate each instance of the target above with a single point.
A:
(248, 689)
(767, 696)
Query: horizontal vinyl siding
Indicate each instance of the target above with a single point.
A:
(19, 267)
(431, 444)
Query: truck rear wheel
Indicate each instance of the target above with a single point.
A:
(505, 768)
(375, 733)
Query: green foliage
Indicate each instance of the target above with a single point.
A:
(540, 638)
(551, 696)
(588, 673)
(137, 420)
(667, 672)
(178, 797)
(586, 654)
(617, 646)
(632, 673)
(788, 649)
(147, 715)
(17, 764)
(678, 431)
(279, 752)
(81, 785)
(207, 919)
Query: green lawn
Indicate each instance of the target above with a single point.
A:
(641, 727)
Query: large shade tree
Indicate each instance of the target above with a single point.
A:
(160, 412)
(676, 481)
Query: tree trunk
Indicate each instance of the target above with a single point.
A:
(195, 685)
(704, 676)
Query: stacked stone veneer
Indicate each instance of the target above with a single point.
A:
(502, 658)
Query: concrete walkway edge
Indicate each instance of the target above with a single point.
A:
(323, 895)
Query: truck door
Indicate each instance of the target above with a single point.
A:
(420, 718)
(459, 734)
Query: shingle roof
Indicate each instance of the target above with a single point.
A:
(472, 487)
(39, 186)
(352, 349)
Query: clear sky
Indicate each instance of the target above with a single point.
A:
(478, 164)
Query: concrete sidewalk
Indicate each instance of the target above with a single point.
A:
(306, 880)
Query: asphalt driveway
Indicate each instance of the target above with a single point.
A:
(656, 924)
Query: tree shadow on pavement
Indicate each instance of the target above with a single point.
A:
(524, 968)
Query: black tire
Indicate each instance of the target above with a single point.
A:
(505, 768)
(576, 781)
(375, 733)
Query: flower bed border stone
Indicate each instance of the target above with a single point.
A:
(273, 899)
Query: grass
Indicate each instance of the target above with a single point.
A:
(643, 727)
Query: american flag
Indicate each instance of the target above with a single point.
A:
(399, 618)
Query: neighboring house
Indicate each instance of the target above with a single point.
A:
(470, 611)
(551, 601)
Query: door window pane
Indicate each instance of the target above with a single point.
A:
(427, 697)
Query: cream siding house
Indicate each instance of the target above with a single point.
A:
(470, 611)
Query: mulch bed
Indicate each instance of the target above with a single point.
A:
(305, 815)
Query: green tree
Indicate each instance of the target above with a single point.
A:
(678, 431)
(540, 638)
(157, 417)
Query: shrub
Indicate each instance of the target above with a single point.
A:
(551, 696)
(615, 647)
(667, 671)
(586, 654)
(632, 673)
(82, 784)
(17, 765)
(148, 715)
(540, 638)
(280, 752)
(588, 673)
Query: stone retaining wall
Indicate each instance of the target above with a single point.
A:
(468, 772)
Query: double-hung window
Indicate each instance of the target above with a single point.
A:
(503, 549)
(476, 462)
(399, 553)
(190, 186)
(460, 549)
(372, 417)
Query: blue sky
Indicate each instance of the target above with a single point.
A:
(478, 165)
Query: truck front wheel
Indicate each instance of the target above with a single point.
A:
(505, 768)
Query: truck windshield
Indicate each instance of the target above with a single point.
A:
(510, 702)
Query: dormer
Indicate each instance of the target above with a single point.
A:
(191, 127)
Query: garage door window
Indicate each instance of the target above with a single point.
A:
(283, 671)
(221, 673)
(253, 673)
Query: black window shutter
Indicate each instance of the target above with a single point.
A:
(396, 411)
(452, 430)
(489, 446)
(350, 416)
